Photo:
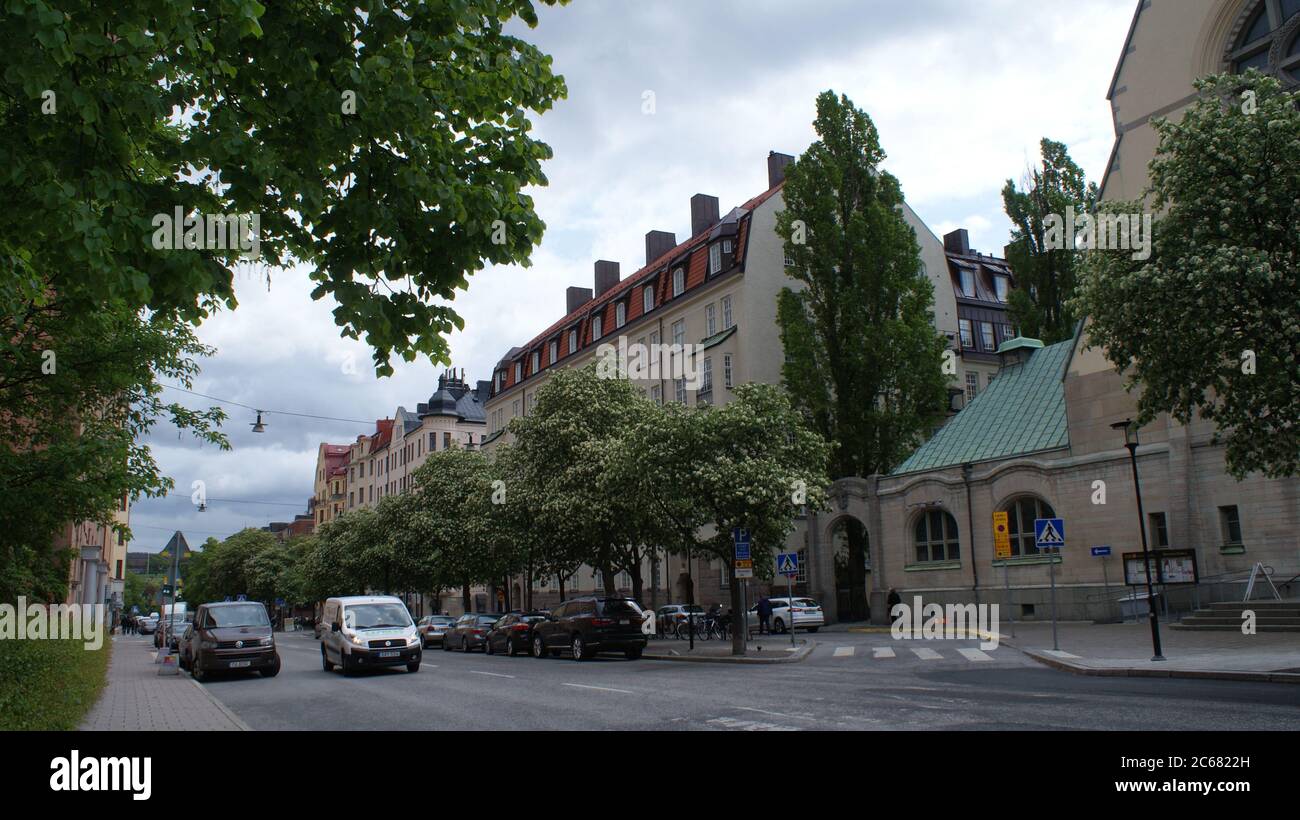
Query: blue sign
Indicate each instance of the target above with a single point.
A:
(279, 602)
(241, 597)
(1098, 552)
(787, 564)
(1049, 533)
(740, 536)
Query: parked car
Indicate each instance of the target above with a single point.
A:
(227, 636)
(169, 630)
(365, 631)
(805, 614)
(513, 633)
(147, 624)
(433, 627)
(585, 626)
(469, 632)
(668, 617)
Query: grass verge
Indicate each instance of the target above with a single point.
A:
(49, 685)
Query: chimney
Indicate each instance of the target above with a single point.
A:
(658, 243)
(483, 390)
(704, 213)
(606, 275)
(776, 168)
(575, 298)
(957, 241)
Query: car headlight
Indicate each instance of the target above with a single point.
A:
(357, 639)
(414, 639)
(265, 641)
(207, 644)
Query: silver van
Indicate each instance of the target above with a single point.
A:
(364, 631)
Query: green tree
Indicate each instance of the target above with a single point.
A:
(1209, 325)
(863, 361)
(452, 494)
(1045, 270)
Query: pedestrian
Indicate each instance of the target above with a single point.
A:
(764, 616)
(892, 601)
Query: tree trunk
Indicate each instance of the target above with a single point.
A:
(857, 571)
(464, 597)
(637, 583)
(561, 577)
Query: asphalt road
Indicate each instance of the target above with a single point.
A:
(851, 681)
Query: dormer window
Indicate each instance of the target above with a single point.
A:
(647, 299)
(1000, 287)
(595, 327)
(967, 283)
(679, 282)
(553, 352)
(715, 258)
(519, 371)
(620, 314)
(537, 361)
(573, 341)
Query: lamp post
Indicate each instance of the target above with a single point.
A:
(1131, 442)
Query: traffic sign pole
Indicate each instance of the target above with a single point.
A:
(1051, 568)
(1049, 534)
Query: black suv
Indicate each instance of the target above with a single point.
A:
(585, 626)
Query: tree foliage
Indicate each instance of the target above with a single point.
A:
(1209, 325)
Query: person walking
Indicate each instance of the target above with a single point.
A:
(764, 616)
(893, 600)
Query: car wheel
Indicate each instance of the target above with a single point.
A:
(779, 626)
(632, 654)
(413, 667)
(196, 670)
(325, 661)
(579, 648)
(510, 647)
(487, 646)
(539, 648)
(464, 645)
(446, 644)
(348, 669)
(272, 671)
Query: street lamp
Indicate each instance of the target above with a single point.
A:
(1131, 442)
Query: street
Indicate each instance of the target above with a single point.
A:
(851, 681)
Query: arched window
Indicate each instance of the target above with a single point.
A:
(936, 537)
(1021, 513)
(1268, 38)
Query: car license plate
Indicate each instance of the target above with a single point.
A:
(389, 654)
(240, 664)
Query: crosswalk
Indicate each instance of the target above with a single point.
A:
(923, 653)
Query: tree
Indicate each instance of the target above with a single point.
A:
(452, 492)
(1209, 325)
(863, 361)
(1045, 269)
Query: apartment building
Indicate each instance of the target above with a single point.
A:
(97, 570)
(716, 291)
(330, 492)
(981, 285)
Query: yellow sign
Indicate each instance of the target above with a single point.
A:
(1001, 536)
(744, 563)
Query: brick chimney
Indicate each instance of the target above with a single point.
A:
(658, 243)
(776, 167)
(575, 298)
(704, 213)
(957, 241)
(606, 275)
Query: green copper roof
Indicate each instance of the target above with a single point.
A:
(710, 341)
(1018, 343)
(1022, 411)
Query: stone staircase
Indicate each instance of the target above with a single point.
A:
(1270, 616)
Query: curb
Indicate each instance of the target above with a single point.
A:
(240, 725)
(793, 657)
(1138, 672)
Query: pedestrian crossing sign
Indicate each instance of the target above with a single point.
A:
(787, 563)
(1049, 533)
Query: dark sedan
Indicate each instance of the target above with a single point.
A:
(513, 633)
(469, 632)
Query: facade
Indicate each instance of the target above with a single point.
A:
(97, 569)
(981, 285)
(1169, 45)
(329, 492)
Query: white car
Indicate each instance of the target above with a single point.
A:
(805, 614)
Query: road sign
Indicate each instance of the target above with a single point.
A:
(279, 602)
(1100, 552)
(241, 597)
(1049, 533)
(1001, 536)
(744, 568)
(740, 536)
(166, 590)
(787, 564)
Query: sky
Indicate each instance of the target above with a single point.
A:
(960, 92)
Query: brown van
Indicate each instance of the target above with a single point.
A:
(230, 636)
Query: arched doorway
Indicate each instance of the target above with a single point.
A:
(851, 555)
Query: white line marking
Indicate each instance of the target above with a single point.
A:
(493, 674)
(882, 652)
(763, 711)
(600, 688)
(844, 651)
(927, 654)
(1060, 653)
(973, 654)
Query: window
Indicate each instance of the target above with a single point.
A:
(1159, 530)
(1230, 521)
(679, 332)
(936, 537)
(656, 394)
(967, 282)
(620, 314)
(573, 341)
(715, 258)
(537, 361)
(972, 385)
(726, 370)
(1000, 286)
(726, 246)
(967, 336)
(595, 327)
(679, 388)
(710, 320)
(706, 375)
(654, 346)
(446, 441)
(514, 408)
(986, 331)
(1021, 513)
(679, 282)
(726, 313)
(519, 371)
(553, 352)
(990, 380)
(433, 442)
(1265, 33)
(501, 380)
(647, 299)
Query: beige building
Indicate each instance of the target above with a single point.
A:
(329, 493)
(97, 569)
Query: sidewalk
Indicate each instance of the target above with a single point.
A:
(137, 698)
(1125, 650)
(767, 649)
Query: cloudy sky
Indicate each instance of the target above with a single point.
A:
(961, 93)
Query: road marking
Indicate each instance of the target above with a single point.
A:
(599, 688)
(750, 725)
(844, 651)
(763, 711)
(1060, 653)
(882, 652)
(493, 674)
(927, 654)
(975, 654)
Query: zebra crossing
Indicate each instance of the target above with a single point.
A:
(919, 653)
